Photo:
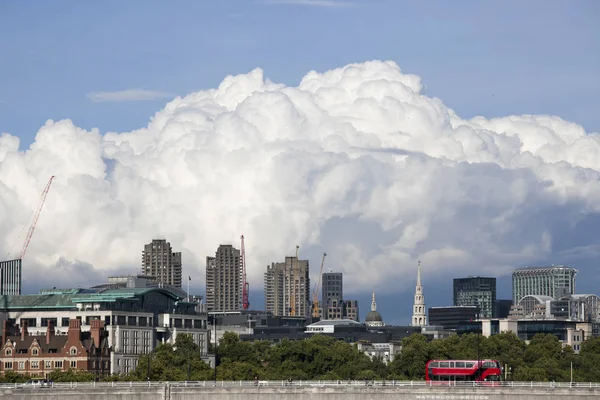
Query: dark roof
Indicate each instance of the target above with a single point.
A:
(56, 342)
(373, 316)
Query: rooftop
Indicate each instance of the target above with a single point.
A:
(336, 322)
(544, 268)
(69, 298)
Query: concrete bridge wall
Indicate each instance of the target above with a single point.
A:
(167, 392)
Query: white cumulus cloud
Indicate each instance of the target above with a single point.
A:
(127, 95)
(356, 161)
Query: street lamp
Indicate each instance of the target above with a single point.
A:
(215, 326)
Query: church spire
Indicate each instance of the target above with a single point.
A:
(419, 273)
(419, 318)
(373, 304)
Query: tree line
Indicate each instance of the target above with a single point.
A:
(325, 358)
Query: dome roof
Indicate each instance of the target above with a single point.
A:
(373, 316)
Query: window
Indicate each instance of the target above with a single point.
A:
(21, 364)
(73, 364)
(34, 352)
(73, 351)
(58, 364)
(8, 365)
(48, 364)
(9, 352)
(35, 364)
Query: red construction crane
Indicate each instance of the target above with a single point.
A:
(35, 218)
(35, 215)
(245, 285)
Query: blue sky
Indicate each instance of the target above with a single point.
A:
(480, 58)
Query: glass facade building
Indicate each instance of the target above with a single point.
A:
(477, 291)
(10, 277)
(555, 281)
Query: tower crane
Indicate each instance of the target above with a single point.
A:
(315, 310)
(245, 284)
(36, 215)
(294, 294)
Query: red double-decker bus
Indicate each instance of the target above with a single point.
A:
(462, 370)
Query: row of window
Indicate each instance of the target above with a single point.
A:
(58, 364)
(35, 351)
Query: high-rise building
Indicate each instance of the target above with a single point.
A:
(159, 261)
(479, 292)
(351, 310)
(10, 277)
(284, 294)
(451, 317)
(418, 317)
(555, 281)
(503, 308)
(224, 279)
(332, 295)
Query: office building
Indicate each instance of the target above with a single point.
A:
(332, 295)
(351, 310)
(224, 279)
(159, 261)
(555, 282)
(452, 316)
(10, 277)
(476, 291)
(503, 308)
(287, 288)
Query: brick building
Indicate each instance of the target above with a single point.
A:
(38, 355)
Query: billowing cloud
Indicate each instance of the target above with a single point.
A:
(356, 161)
(128, 95)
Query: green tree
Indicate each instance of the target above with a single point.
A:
(71, 376)
(176, 362)
(589, 360)
(410, 363)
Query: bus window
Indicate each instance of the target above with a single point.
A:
(444, 364)
(470, 364)
(434, 364)
(489, 364)
(460, 364)
(451, 364)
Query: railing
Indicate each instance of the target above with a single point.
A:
(303, 384)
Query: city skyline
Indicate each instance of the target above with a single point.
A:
(384, 134)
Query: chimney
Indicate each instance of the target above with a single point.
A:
(6, 330)
(96, 328)
(49, 331)
(74, 334)
(23, 330)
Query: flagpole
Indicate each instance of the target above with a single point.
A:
(188, 288)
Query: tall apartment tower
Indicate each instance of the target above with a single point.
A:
(159, 261)
(280, 298)
(332, 295)
(555, 281)
(418, 317)
(10, 277)
(479, 292)
(224, 279)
